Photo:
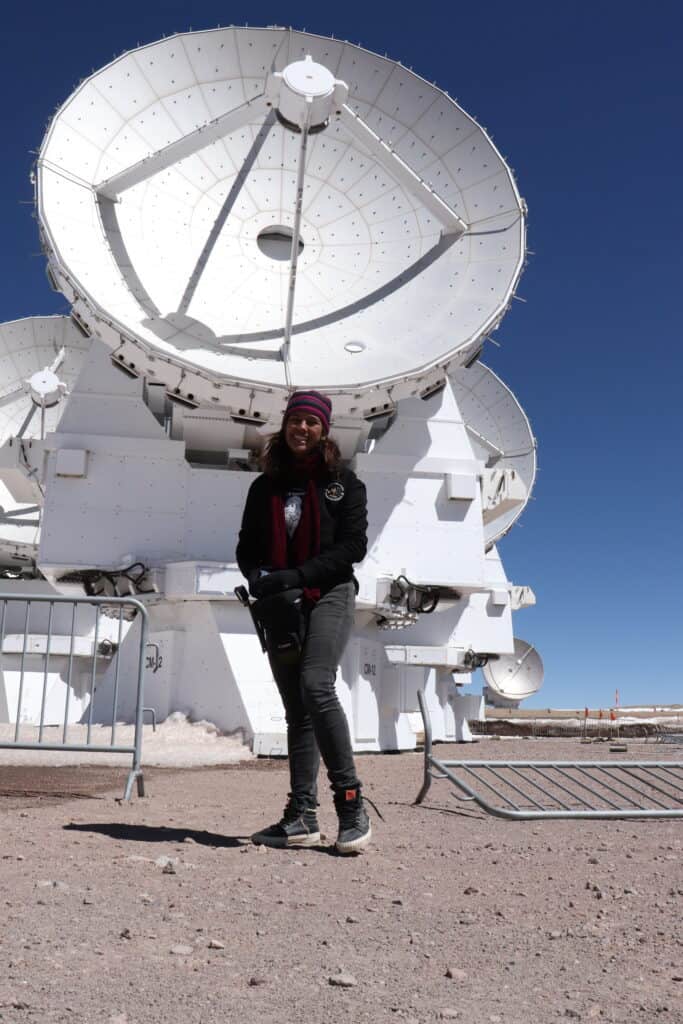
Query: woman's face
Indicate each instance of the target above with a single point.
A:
(303, 431)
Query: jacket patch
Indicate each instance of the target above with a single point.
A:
(334, 491)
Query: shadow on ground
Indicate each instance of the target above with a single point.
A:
(164, 834)
(155, 834)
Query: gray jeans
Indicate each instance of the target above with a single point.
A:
(316, 723)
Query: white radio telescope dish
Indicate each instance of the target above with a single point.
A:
(36, 354)
(40, 357)
(274, 208)
(512, 678)
(499, 432)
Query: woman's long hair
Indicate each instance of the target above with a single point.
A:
(277, 461)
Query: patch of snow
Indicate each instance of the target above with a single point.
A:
(176, 743)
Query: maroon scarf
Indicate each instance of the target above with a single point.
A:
(305, 543)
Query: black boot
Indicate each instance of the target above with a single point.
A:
(298, 826)
(354, 824)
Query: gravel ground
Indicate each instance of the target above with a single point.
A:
(161, 911)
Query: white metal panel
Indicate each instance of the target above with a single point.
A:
(71, 462)
(31, 685)
(365, 690)
(124, 506)
(214, 505)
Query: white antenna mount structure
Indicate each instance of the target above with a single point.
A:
(232, 214)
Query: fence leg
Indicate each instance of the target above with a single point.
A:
(134, 776)
(136, 772)
(426, 722)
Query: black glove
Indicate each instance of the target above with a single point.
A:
(275, 583)
(253, 577)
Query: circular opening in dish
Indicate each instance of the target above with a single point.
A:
(275, 242)
(354, 347)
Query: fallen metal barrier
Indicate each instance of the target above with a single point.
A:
(532, 790)
(77, 656)
(671, 738)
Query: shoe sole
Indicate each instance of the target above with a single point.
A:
(312, 839)
(356, 845)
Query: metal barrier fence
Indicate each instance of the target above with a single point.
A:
(533, 790)
(593, 731)
(51, 654)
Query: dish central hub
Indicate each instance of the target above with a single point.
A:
(45, 388)
(307, 78)
(308, 93)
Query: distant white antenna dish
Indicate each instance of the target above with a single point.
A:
(512, 678)
(501, 437)
(40, 358)
(270, 208)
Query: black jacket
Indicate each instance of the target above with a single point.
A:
(343, 530)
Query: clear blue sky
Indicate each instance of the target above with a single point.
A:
(584, 100)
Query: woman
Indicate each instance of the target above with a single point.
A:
(304, 525)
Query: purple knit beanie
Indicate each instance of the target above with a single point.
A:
(312, 403)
